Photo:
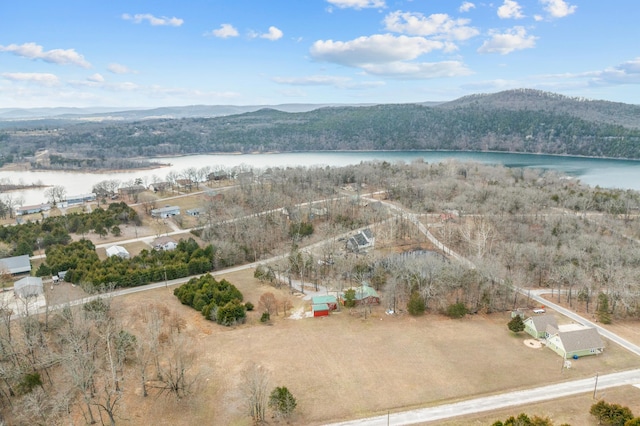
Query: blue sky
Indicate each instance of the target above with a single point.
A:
(143, 53)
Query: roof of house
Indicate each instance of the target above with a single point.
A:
(28, 286)
(16, 264)
(324, 299)
(364, 291)
(367, 233)
(117, 250)
(161, 241)
(540, 322)
(165, 209)
(581, 339)
(319, 307)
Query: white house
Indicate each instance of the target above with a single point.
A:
(164, 243)
(165, 212)
(117, 251)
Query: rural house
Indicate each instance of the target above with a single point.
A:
(365, 295)
(361, 241)
(72, 200)
(536, 326)
(38, 208)
(164, 243)
(165, 212)
(15, 265)
(118, 251)
(574, 340)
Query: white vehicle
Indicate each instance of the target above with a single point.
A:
(538, 311)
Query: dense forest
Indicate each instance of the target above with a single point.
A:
(516, 121)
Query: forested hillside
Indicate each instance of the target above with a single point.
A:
(515, 121)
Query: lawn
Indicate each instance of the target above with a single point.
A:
(345, 367)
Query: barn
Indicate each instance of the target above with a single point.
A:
(331, 301)
(320, 310)
(28, 287)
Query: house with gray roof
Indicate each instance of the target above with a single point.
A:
(15, 265)
(361, 241)
(28, 287)
(536, 326)
(165, 212)
(574, 341)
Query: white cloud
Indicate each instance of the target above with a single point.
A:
(225, 31)
(510, 41)
(273, 34)
(357, 4)
(466, 6)
(422, 70)
(96, 78)
(43, 79)
(625, 73)
(510, 9)
(439, 25)
(558, 8)
(120, 69)
(379, 48)
(55, 56)
(153, 20)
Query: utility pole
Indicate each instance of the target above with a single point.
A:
(595, 387)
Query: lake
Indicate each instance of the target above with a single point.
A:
(606, 173)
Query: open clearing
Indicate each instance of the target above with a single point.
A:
(346, 367)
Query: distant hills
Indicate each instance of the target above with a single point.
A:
(524, 120)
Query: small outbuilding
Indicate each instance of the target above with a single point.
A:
(331, 301)
(118, 251)
(28, 287)
(320, 310)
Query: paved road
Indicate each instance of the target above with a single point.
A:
(495, 402)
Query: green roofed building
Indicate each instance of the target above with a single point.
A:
(320, 310)
(331, 301)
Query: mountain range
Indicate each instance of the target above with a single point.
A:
(523, 120)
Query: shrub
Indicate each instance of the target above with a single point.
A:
(249, 306)
(457, 310)
(350, 298)
(265, 317)
(231, 313)
(282, 402)
(516, 324)
(416, 305)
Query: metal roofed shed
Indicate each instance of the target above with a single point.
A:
(28, 287)
(16, 264)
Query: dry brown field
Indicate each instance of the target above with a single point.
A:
(345, 367)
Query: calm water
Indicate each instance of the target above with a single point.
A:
(624, 174)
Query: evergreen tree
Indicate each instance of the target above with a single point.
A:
(516, 324)
(282, 402)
